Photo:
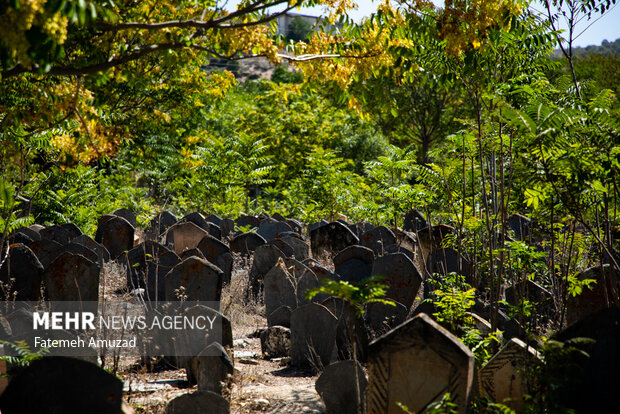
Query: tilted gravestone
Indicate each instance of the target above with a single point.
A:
(24, 235)
(295, 225)
(603, 294)
(270, 228)
(72, 277)
(198, 402)
(313, 336)
(98, 248)
(301, 249)
(192, 252)
(319, 270)
(244, 244)
(378, 239)
(197, 219)
(505, 377)
(77, 248)
(336, 387)
(213, 368)
(46, 251)
(400, 275)
(116, 234)
(416, 364)
(183, 236)
(25, 270)
(194, 279)
(314, 226)
(279, 289)
(63, 385)
(286, 248)
(159, 224)
(56, 233)
(354, 263)
(128, 215)
(265, 258)
(346, 316)
(217, 253)
(331, 238)
(414, 221)
(590, 382)
(147, 265)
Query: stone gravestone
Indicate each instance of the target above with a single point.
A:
(265, 258)
(279, 290)
(72, 277)
(306, 282)
(603, 294)
(416, 364)
(346, 316)
(183, 236)
(401, 276)
(194, 279)
(199, 402)
(244, 244)
(53, 385)
(295, 225)
(128, 215)
(147, 265)
(414, 221)
(330, 239)
(378, 239)
(319, 270)
(213, 368)
(280, 317)
(77, 248)
(313, 336)
(192, 252)
(448, 260)
(247, 221)
(116, 234)
(217, 253)
(590, 384)
(23, 266)
(336, 386)
(354, 263)
(56, 233)
(197, 219)
(270, 228)
(98, 248)
(46, 251)
(159, 224)
(381, 318)
(301, 250)
(505, 377)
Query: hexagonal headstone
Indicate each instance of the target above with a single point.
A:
(401, 276)
(23, 266)
(194, 279)
(116, 234)
(505, 379)
(301, 249)
(416, 364)
(313, 336)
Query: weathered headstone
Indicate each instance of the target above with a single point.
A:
(198, 402)
(197, 219)
(73, 230)
(301, 250)
(381, 317)
(56, 233)
(590, 383)
(295, 225)
(603, 294)
(192, 252)
(265, 258)
(286, 248)
(414, 221)
(354, 263)
(72, 277)
(244, 244)
(46, 251)
(319, 270)
(314, 226)
(270, 228)
(227, 226)
(98, 248)
(116, 234)
(346, 316)
(275, 342)
(378, 239)
(184, 235)
(247, 221)
(77, 248)
(337, 389)
(416, 364)
(281, 316)
(53, 385)
(213, 368)
(307, 281)
(217, 253)
(147, 265)
(401, 276)
(448, 260)
(24, 235)
(194, 279)
(25, 269)
(331, 238)
(128, 215)
(159, 224)
(505, 377)
(279, 289)
(313, 336)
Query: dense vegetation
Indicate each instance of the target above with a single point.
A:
(100, 108)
